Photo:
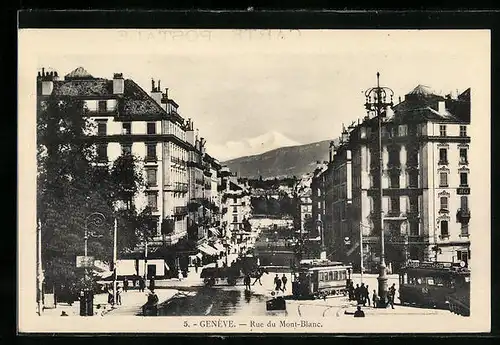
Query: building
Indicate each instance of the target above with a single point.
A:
(425, 183)
(304, 196)
(236, 207)
(130, 120)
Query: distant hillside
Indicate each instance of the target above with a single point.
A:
(285, 161)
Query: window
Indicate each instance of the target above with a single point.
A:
(463, 131)
(443, 179)
(151, 175)
(464, 230)
(126, 128)
(151, 128)
(319, 192)
(151, 152)
(394, 206)
(235, 219)
(235, 200)
(463, 156)
(403, 130)
(102, 106)
(413, 204)
(442, 130)
(153, 200)
(413, 179)
(394, 156)
(394, 181)
(126, 149)
(464, 203)
(243, 204)
(463, 179)
(101, 128)
(102, 152)
(235, 209)
(414, 228)
(443, 156)
(444, 203)
(444, 228)
(463, 255)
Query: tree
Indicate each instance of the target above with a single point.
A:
(70, 187)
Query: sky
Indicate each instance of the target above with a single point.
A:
(238, 84)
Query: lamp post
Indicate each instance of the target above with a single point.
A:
(97, 219)
(376, 101)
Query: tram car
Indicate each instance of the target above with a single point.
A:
(442, 285)
(232, 275)
(321, 278)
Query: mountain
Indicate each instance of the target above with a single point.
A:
(251, 146)
(285, 161)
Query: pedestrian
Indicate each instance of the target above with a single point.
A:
(110, 296)
(350, 290)
(284, 279)
(259, 275)
(216, 264)
(125, 284)
(367, 295)
(247, 282)
(359, 312)
(119, 295)
(357, 294)
(375, 299)
(392, 294)
(134, 280)
(152, 283)
(277, 282)
(142, 284)
(196, 265)
(362, 295)
(179, 275)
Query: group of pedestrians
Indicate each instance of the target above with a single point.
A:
(361, 294)
(280, 283)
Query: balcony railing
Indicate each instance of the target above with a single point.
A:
(180, 187)
(180, 210)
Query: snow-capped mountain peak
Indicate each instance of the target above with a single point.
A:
(251, 146)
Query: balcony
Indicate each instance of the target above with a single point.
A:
(463, 216)
(180, 211)
(180, 187)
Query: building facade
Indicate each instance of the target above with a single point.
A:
(424, 179)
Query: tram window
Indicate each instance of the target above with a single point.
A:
(335, 275)
(330, 275)
(430, 281)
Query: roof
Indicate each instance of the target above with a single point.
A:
(421, 90)
(79, 73)
(234, 186)
(136, 101)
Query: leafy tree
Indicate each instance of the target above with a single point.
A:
(71, 188)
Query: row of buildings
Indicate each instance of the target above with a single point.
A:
(425, 180)
(195, 200)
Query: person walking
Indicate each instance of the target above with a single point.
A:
(284, 279)
(259, 275)
(125, 284)
(357, 297)
(179, 275)
(119, 295)
(367, 295)
(152, 283)
(362, 295)
(350, 291)
(142, 284)
(247, 282)
(277, 283)
(392, 295)
(196, 265)
(375, 299)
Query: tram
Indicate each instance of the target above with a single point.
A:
(321, 278)
(232, 275)
(442, 285)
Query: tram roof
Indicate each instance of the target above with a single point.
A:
(321, 263)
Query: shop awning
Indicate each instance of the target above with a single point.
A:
(219, 247)
(207, 249)
(214, 231)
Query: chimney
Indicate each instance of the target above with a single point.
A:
(47, 83)
(345, 136)
(155, 92)
(118, 84)
(164, 98)
(441, 107)
(330, 151)
(190, 133)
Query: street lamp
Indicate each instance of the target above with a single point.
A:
(376, 101)
(97, 219)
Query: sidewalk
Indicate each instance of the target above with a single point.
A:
(132, 302)
(398, 310)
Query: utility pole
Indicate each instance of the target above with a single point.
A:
(39, 269)
(376, 101)
(361, 250)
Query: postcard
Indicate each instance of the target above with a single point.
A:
(254, 181)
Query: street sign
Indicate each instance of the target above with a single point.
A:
(84, 261)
